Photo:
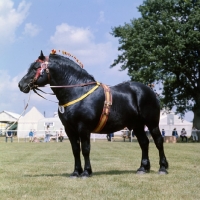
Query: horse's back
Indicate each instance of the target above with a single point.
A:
(135, 102)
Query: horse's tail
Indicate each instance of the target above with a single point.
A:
(148, 106)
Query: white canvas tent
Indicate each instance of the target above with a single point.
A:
(54, 126)
(28, 122)
(170, 121)
(6, 121)
(6, 116)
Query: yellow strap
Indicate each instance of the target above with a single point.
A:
(83, 96)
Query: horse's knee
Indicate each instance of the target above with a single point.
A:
(158, 139)
(76, 149)
(85, 149)
(144, 142)
(155, 131)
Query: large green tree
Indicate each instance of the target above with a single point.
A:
(163, 46)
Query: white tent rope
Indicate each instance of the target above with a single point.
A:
(21, 113)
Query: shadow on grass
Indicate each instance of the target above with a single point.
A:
(98, 173)
(118, 172)
(51, 175)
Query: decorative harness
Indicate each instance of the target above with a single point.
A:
(107, 92)
(106, 109)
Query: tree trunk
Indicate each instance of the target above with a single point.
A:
(196, 120)
(196, 110)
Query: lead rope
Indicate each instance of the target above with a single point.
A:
(20, 115)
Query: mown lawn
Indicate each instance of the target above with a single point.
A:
(41, 171)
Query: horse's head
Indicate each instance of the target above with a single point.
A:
(37, 75)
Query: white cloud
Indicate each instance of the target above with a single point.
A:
(9, 91)
(101, 18)
(11, 18)
(81, 43)
(31, 29)
(73, 37)
(96, 57)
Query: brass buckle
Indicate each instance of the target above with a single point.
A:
(107, 103)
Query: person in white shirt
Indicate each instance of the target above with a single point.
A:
(47, 134)
(183, 135)
(194, 134)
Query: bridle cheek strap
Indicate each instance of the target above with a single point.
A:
(44, 66)
(37, 74)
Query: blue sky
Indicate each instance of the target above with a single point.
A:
(79, 27)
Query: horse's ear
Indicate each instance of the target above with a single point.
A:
(41, 57)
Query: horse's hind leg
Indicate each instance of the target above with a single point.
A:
(158, 139)
(144, 145)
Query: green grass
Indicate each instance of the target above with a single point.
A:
(41, 171)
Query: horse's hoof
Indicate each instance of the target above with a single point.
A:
(140, 172)
(85, 174)
(75, 174)
(162, 172)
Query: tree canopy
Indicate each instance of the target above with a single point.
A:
(163, 46)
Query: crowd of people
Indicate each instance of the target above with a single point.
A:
(33, 137)
(60, 135)
(183, 134)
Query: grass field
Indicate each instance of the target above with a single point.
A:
(41, 171)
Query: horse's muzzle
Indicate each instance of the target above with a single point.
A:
(25, 89)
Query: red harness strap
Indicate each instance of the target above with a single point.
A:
(43, 66)
(106, 109)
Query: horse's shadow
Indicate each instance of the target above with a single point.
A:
(98, 173)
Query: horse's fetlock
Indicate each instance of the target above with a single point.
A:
(146, 164)
(164, 163)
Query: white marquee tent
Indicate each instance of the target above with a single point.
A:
(54, 126)
(7, 121)
(170, 121)
(28, 122)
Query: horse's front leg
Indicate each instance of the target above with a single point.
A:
(85, 146)
(75, 143)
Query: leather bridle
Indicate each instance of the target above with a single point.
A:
(43, 67)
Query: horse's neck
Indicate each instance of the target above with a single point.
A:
(67, 75)
(63, 76)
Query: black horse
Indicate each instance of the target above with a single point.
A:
(134, 105)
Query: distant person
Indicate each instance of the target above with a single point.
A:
(110, 136)
(30, 136)
(60, 135)
(183, 135)
(175, 133)
(47, 134)
(126, 132)
(194, 134)
(133, 135)
(9, 134)
(163, 133)
(35, 139)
